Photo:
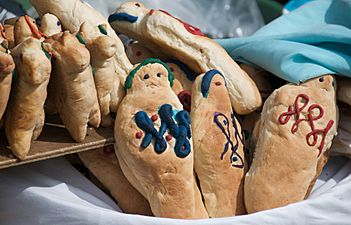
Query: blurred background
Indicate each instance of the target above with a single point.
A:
(216, 18)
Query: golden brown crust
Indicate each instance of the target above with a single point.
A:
(104, 165)
(286, 160)
(7, 65)
(24, 118)
(221, 173)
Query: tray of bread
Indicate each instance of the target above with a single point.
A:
(195, 133)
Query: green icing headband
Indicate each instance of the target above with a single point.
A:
(129, 80)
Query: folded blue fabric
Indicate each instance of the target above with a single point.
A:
(311, 41)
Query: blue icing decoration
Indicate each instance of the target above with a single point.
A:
(178, 128)
(122, 17)
(206, 81)
(223, 123)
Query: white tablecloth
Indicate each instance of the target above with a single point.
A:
(53, 192)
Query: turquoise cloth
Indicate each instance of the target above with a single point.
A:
(313, 40)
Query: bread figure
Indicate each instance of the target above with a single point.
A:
(104, 165)
(7, 66)
(153, 143)
(218, 146)
(159, 30)
(294, 135)
(25, 115)
(102, 49)
(24, 28)
(72, 13)
(137, 53)
(76, 97)
(50, 25)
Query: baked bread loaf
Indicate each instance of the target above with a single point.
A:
(104, 165)
(159, 30)
(25, 116)
(102, 49)
(295, 131)
(72, 13)
(24, 28)
(153, 143)
(76, 97)
(218, 146)
(7, 66)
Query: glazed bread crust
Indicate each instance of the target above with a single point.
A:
(286, 160)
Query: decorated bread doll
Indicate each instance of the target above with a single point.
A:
(102, 49)
(154, 145)
(104, 165)
(76, 97)
(25, 115)
(218, 146)
(294, 135)
(159, 30)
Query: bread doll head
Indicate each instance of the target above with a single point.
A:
(128, 14)
(50, 24)
(32, 62)
(67, 49)
(151, 74)
(26, 27)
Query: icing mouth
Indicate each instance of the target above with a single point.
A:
(122, 17)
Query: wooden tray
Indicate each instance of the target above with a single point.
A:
(53, 142)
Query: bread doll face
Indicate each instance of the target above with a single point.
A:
(151, 76)
(66, 48)
(326, 82)
(50, 24)
(129, 12)
(25, 27)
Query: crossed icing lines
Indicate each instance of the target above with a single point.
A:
(178, 128)
(223, 123)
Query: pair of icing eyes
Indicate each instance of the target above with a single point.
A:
(147, 76)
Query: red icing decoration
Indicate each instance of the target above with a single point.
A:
(138, 53)
(185, 98)
(154, 118)
(169, 137)
(191, 29)
(218, 83)
(296, 110)
(33, 28)
(139, 134)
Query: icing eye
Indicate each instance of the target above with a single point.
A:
(218, 83)
(34, 21)
(235, 158)
(159, 74)
(224, 122)
(321, 79)
(58, 23)
(146, 76)
(137, 4)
